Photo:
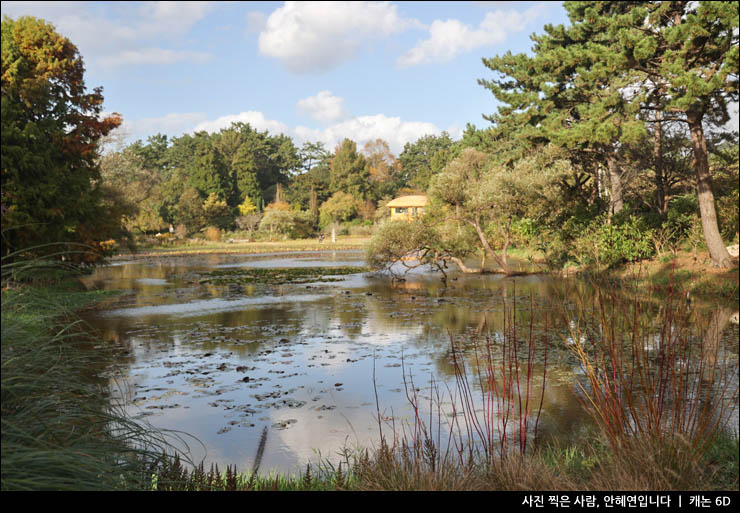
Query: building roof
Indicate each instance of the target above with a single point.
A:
(408, 201)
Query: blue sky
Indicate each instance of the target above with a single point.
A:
(316, 71)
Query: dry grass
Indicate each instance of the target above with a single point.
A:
(196, 247)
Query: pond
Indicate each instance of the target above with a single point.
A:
(298, 366)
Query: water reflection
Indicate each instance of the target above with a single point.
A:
(224, 362)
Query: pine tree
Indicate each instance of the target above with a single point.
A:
(349, 171)
(591, 87)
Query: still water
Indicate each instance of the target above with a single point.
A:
(314, 365)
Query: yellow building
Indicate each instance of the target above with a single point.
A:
(407, 207)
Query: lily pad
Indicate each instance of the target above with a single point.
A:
(279, 276)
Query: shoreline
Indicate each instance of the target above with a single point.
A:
(249, 248)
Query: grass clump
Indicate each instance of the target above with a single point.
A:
(661, 388)
(59, 429)
(169, 474)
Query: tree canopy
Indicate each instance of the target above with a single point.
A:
(51, 131)
(620, 70)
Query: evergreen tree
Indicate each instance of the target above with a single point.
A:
(244, 176)
(423, 159)
(206, 171)
(590, 86)
(51, 130)
(349, 171)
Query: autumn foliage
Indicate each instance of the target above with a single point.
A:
(51, 130)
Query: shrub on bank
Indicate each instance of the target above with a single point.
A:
(213, 234)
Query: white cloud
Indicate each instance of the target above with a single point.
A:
(148, 56)
(171, 19)
(449, 38)
(174, 124)
(391, 129)
(311, 37)
(256, 120)
(324, 107)
(360, 129)
(120, 34)
(368, 128)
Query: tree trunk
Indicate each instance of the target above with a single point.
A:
(616, 200)
(594, 196)
(313, 205)
(488, 248)
(507, 240)
(463, 267)
(660, 192)
(717, 249)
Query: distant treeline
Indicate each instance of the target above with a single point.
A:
(610, 143)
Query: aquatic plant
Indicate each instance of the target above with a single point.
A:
(653, 377)
(295, 275)
(493, 410)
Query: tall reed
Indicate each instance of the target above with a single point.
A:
(652, 377)
(492, 407)
(59, 429)
(504, 417)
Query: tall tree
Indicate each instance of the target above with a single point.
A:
(586, 84)
(153, 154)
(206, 170)
(571, 93)
(688, 53)
(244, 176)
(383, 165)
(349, 172)
(423, 159)
(51, 131)
(313, 154)
(137, 185)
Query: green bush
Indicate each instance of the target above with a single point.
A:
(303, 225)
(609, 244)
(682, 212)
(525, 231)
(728, 215)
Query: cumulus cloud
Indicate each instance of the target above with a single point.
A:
(450, 38)
(255, 119)
(312, 37)
(391, 129)
(324, 107)
(171, 19)
(360, 129)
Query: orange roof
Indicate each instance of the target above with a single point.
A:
(408, 201)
